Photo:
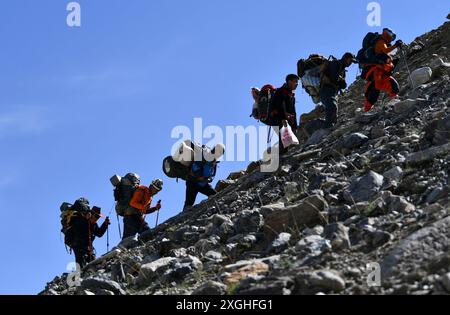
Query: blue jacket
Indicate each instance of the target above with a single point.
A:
(202, 172)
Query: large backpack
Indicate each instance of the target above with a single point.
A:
(366, 54)
(124, 191)
(177, 170)
(262, 106)
(68, 212)
(313, 61)
(310, 71)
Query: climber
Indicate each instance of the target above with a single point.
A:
(199, 180)
(383, 44)
(283, 106)
(140, 205)
(379, 78)
(83, 229)
(332, 82)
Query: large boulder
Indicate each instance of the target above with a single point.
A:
(307, 213)
(364, 188)
(421, 76)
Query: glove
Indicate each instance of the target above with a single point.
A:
(399, 43)
(107, 221)
(158, 206)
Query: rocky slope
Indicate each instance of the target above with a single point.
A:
(375, 189)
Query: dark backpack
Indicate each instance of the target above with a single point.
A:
(68, 212)
(313, 61)
(124, 191)
(174, 169)
(367, 53)
(81, 205)
(262, 107)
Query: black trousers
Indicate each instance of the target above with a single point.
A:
(192, 190)
(328, 97)
(134, 224)
(83, 256)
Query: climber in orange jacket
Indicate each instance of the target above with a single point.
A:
(134, 222)
(379, 79)
(383, 44)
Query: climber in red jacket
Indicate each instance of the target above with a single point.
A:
(379, 78)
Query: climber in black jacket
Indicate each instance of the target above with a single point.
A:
(283, 110)
(331, 83)
(85, 229)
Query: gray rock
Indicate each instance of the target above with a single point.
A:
(394, 174)
(95, 284)
(211, 288)
(337, 233)
(248, 221)
(154, 269)
(317, 230)
(205, 245)
(307, 212)
(397, 203)
(428, 155)
(364, 188)
(280, 243)
(182, 267)
(317, 136)
(268, 209)
(313, 245)
(354, 140)
(214, 256)
(438, 131)
(445, 280)
(416, 249)
(408, 105)
(320, 281)
(178, 252)
(377, 238)
(437, 194)
(421, 76)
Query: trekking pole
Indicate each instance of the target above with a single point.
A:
(107, 239)
(157, 215)
(118, 225)
(407, 67)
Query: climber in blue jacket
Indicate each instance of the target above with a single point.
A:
(199, 181)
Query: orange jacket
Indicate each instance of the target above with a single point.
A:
(381, 47)
(141, 199)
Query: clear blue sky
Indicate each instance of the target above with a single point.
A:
(78, 105)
